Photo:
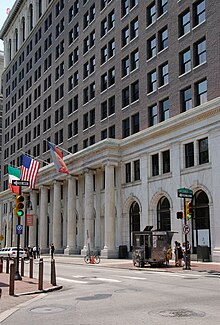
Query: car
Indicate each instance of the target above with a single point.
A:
(12, 252)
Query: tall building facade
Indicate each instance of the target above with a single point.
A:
(130, 90)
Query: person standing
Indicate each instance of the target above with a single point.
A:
(179, 254)
(52, 249)
(38, 251)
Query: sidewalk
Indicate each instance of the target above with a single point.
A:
(27, 288)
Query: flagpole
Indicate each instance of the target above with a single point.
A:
(35, 158)
(56, 145)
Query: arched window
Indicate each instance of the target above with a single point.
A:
(134, 216)
(200, 221)
(163, 214)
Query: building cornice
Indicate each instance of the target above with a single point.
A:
(13, 12)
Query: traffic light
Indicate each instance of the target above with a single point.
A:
(189, 210)
(179, 215)
(19, 206)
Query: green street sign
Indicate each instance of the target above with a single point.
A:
(185, 193)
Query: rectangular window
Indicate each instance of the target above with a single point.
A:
(137, 170)
(189, 155)
(166, 161)
(200, 52)
(134, 28)
(164, 109)
(203, 151)
(125, 127)
(185, 61)
(125, 36)
(152, 81)
(128, 172)
(134, 91)
(162, 7)
(125, 66)
(186, 99)
(155, 165)
(201, 92)
(198, 12)
(184, 23)
(163, 39)
(125, 97)
(135, 127)
(151, 47)
(153, 118)
(163, 74)
(134, 60)
(151, 13)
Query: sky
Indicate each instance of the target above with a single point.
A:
(4, 5)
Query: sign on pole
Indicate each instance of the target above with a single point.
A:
(18, 182)
(186, 229)
(185, 193)
(19, 229)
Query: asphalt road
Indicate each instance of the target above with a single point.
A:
(101, 295)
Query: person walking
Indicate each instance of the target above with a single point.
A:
(52, 249)
(176, 253)
(34, 251)
(38, 251)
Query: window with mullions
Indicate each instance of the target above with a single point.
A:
(164, 109)
(185, 61)
(152, 81)
(134, 60)
(124, 7)
(184, 23)
(203, 151)
(155, 164)
(125, 66)
(201, 92)
(153, 118)
(200, 52)
(125, 36)
(125, 97)
(162, 7)
(134, 91)
(128, 172)
(163, 39)
(134, 28)
(189, 154)
(135, 125)
(166, 161)
(163, 74)
(151, 13)
(198, 12)
(137, 175)
(125, 127)
(186, 99)
(151, 47)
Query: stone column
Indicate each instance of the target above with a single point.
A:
(89, 211)
(43, 219)
(57, 216)
(109, 250)
(32, 229)
(71, 217)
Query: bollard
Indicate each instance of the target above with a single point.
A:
(1, 264)
(41, 272)
(12, 280)
(7, 264)
(22, 266)
(31, 268)
(53, 273)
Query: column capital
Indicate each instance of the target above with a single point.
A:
(110, 162)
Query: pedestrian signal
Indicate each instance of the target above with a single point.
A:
(19, 206)
(179, 215)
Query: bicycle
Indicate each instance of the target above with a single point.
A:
(92, 258)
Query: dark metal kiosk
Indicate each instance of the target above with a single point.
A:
(151, 247)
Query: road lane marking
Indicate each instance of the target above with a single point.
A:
(131, 277)
(105, 280)
(70, 280)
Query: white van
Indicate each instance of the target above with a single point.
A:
(12, 252)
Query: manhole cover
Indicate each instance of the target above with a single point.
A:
(178, 313)
(48, 309)
(95, 297)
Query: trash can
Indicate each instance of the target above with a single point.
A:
(123, 251)
(203, 253)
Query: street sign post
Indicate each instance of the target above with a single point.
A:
(20, 183)
(186, 229)
(185, 193)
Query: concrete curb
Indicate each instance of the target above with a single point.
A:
(55, 288)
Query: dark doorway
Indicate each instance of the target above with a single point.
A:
(163, 214)
(134, 216)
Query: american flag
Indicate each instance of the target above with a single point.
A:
(29, 170)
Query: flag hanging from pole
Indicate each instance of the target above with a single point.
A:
(13, 174)
(29, 170)
(57, 157)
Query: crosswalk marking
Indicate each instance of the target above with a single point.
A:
(105, 280)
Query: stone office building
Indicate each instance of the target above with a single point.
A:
(130, 89)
